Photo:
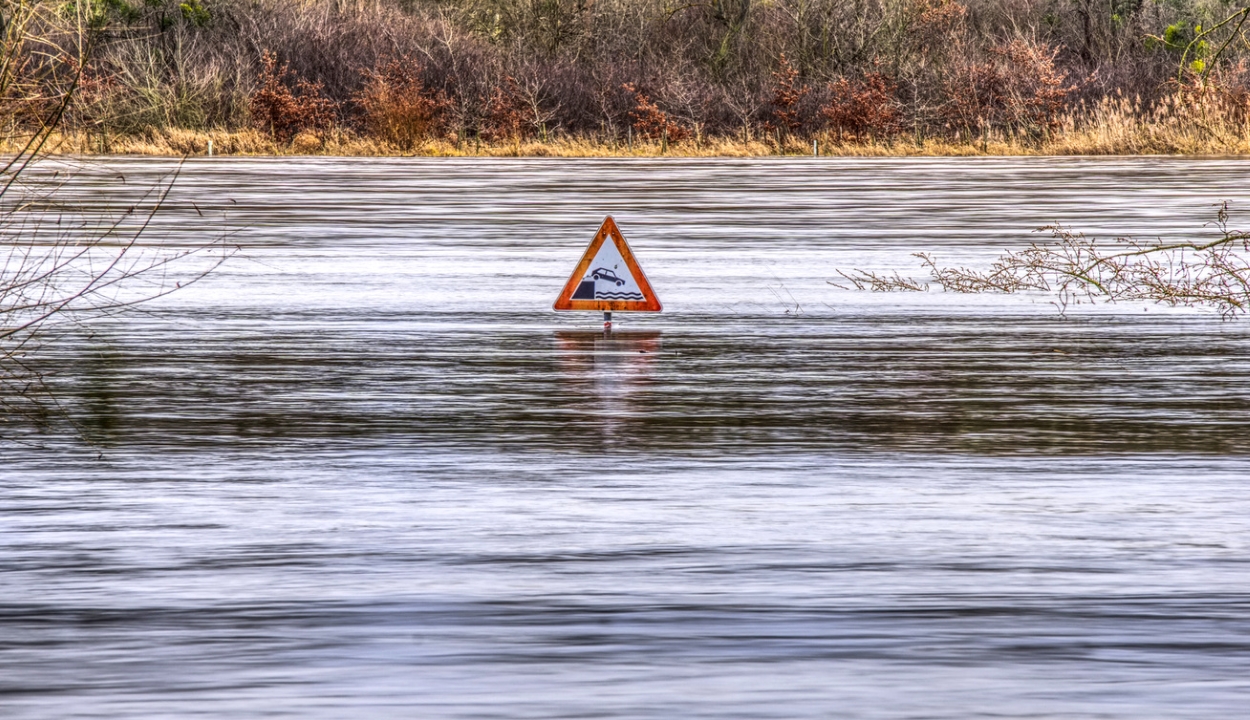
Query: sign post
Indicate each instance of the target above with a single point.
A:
(608, 278)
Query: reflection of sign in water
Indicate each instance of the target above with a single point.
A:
(608, 277)
(605, 376)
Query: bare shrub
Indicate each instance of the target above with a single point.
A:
(97, 96)
(876, 282)
(1075, 268)
(396, 106)
(43, 55)
(283, 111)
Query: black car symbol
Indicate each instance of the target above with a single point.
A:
(606, 274)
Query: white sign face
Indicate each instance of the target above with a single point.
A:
(608, 278)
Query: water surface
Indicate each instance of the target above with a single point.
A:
(363, 468)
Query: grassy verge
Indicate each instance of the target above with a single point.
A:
(1114, 126)
(248, 143)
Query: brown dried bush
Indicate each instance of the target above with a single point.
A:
(649, 121)
(787, 97)
(397, 107)
(1225, 92)
(1037, 90)
(1017, 87)
(867, 107)
(505, 114)
(935, 19)
(284, 112)
(95, 90)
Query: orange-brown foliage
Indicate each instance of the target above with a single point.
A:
(396, 106)
(864, 107)
(506, 116)
(787, 95)
(1018, 87)
(651, 122)
(935, 18)
(284, 112)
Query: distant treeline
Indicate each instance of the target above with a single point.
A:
(407, 71)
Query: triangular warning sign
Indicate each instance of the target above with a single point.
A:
(608, 277)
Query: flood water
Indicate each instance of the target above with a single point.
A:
(363, 470)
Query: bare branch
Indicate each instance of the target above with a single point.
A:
(1076, 268)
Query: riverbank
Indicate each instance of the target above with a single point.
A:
(1121, 135)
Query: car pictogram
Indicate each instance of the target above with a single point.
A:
(606, 274)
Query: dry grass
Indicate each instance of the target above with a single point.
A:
(1174, 126)
(1114, 126)
(248, 142)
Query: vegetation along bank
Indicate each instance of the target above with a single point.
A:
(609, 77)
